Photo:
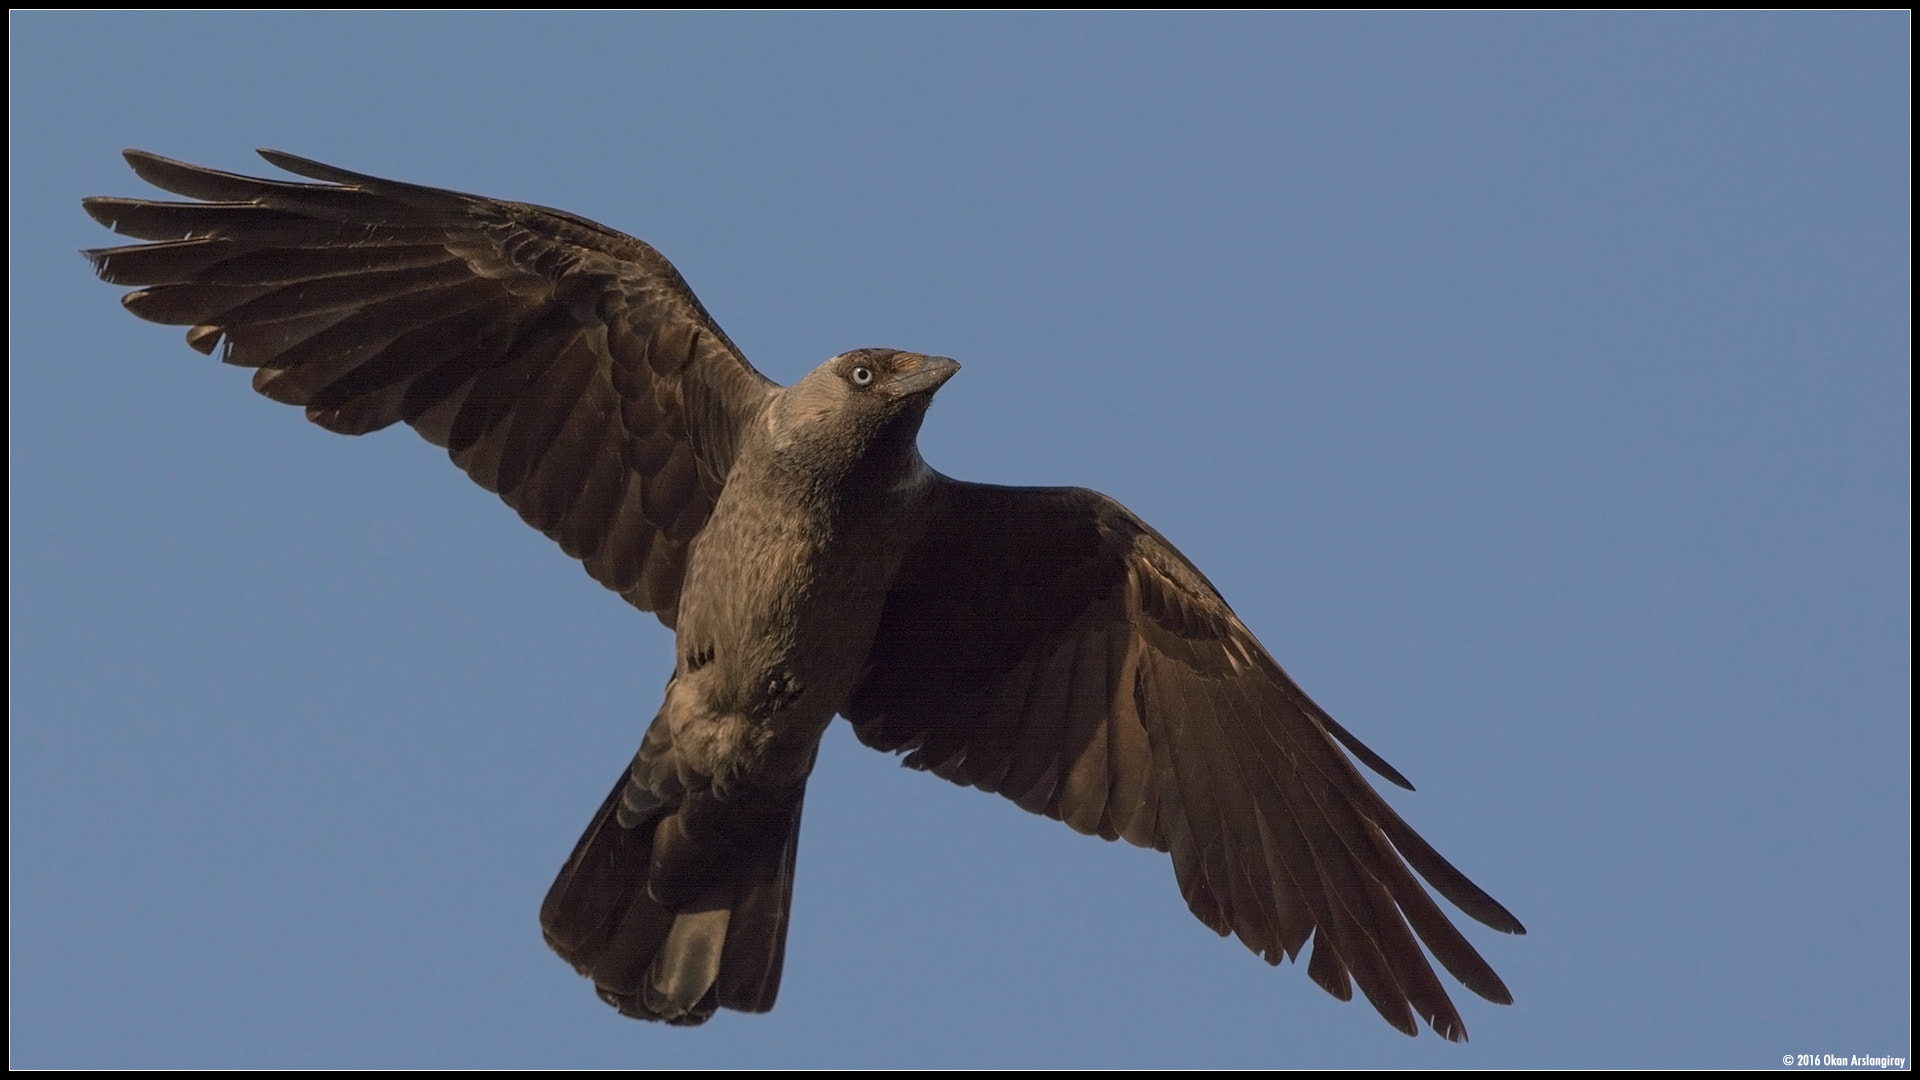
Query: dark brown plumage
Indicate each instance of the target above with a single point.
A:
(1042, 643)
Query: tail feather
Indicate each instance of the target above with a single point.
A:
(685, 910)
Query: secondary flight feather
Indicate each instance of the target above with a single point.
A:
(1042, 643)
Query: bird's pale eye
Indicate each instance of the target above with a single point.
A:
(861, 376)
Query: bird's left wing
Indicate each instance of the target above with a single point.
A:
(563, 365)
(1046, 644)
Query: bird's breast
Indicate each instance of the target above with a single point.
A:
(777, 615)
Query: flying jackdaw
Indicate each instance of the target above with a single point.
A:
(1042, 643)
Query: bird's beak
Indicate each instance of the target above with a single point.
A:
(929, 375)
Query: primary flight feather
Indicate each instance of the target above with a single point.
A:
(1042, 643)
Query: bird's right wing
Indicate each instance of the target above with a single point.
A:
(1048, 645)
(563, 365)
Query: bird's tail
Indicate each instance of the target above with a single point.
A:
(677, 908)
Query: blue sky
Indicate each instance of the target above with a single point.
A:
(1535, 387)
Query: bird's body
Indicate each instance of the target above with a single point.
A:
(789, 576)
(783, 594)
(1042, 643)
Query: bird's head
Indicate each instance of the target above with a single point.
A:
(858, 413)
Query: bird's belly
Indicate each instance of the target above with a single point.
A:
(773, 631)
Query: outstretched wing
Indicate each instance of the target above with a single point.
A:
(563, 365)
(1046, 644)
